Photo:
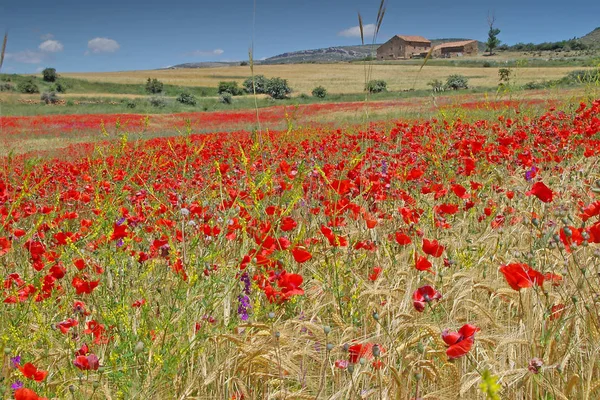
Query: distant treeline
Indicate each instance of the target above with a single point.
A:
(564, 45)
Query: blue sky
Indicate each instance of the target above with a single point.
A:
(109, 35)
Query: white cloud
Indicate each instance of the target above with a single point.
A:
(51, 46)
(102, 45)
(26, 56)
(203, 53)
(368, 31)
(47, 36)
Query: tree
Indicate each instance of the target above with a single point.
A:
(456, 82)
(278, 88)
(49, 74)
(154, 86)
(493, 41)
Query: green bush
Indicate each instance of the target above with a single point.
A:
(49, 75)
(6, 87)
(49, 97)
(376, 86)
(456, 82)
(154, 86)
(584, 76)
(230, 87)
(157, 101)
(260, 83)
(130, 104)
(278, 88)
(319, 92)
(244, 64)
(28, 86)
(487, 64)
(436, 85)
(59, 87)
(186, 98)
(226, 98)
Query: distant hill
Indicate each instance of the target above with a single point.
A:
(324, 55)
(205, 64)
(592, 38)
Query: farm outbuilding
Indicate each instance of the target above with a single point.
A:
(456, 49)
(403, 47)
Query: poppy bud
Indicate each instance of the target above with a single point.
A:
(418, 376)
(96, 384)
(271, 315)
(351, 368)
(72, 388)
(346, 346)
(375, 316)
(329, 346)
(7, 350)
(567, 231)
(376, 350)
(362, 361)
(327, 329)
(277, 334)
(139, 347)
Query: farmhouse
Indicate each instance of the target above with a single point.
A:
(455, 49)
(403, 47)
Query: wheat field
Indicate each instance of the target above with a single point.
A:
(337, 78)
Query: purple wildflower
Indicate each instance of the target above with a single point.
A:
(15, 361)
(530, 174)
(245, 279)
(243, 307)
(16, 385)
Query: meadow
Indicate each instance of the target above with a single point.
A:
(454, 254)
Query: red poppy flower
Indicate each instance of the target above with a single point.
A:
(300, 254)
(287, 224)
(30, 371)
(290, 284)
(83, 285)
(520, 275)
(422, 263)
(424, 295)
(432, 247)
(541, 191)
(64, 326)
(86, 363)
(460, 342)
(5, 245)
(27, 394)
(402, 238)
(359, 350)
(460, 191)
(375, 274)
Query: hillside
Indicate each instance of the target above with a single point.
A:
(592, 38)
(328, 54)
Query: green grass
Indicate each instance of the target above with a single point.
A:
(81, 86)
(204, 104)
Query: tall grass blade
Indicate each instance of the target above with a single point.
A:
(360, 26)
(427, 57)
(3, 50)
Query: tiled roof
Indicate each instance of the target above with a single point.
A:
(408, 38)
(453, 44)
